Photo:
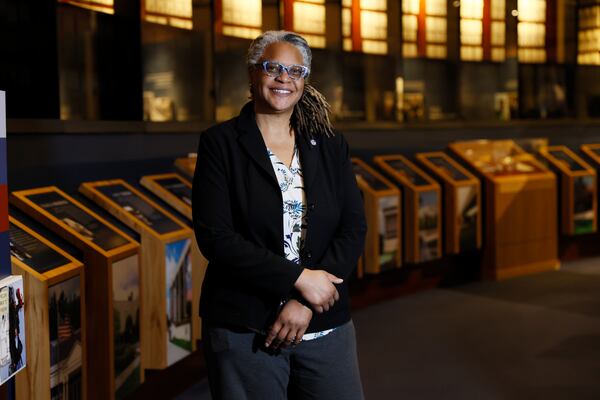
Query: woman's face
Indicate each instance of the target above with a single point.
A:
(274, 95)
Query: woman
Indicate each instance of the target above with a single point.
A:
(279, 217)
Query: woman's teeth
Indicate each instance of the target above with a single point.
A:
(282, 91)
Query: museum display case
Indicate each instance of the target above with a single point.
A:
(578, 190)
(520, 219)
(462, 201)
(421, 206)
(383, 244)
(166, 262)
(112, 286)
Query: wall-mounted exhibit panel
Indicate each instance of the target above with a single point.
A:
(383, 212)
(520, 207)
(166, 255)
(578, 192)
(177, 192)
(462, 201)
(187, 166)
(53, 282)
(422, 208)
(112, 268)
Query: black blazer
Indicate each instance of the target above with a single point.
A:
(238, 221)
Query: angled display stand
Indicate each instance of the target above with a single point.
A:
(422, 208)
(54, 315)
(462, 201)
(112, 286)
(520, 219)
(177, 192)
(578, 190)
(382, 210)
(187, 166)
(166, 254)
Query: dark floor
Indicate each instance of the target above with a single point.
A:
(535, 337)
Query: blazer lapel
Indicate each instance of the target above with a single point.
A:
(253, 143)
(309, 157)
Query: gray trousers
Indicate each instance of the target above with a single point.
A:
(240, 368)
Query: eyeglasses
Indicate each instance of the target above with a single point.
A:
(275, 69)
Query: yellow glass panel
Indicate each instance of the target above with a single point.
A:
(435, 31)
(498, 54)
(531, 34)
(588, 48)
(314, 1)
(410, 26)
(471, 31)
(315, 41)
(436, 7)
(309, 18)
(103, 6)
(375, 5)
(175, 8)
(348, 44)
(374, 47)
(498, 33)
(241, 32)
(410, 6)
(346, 22)
(409, 50)
(532, 10)
(243, 13)
(498, 9)
(532, 55)
(373, 25)
(346, 3)
(472, 9)
(436, 51)
(471, 53)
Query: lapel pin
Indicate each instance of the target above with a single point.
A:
(313, 142)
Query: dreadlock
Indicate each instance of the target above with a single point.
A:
(311, 114)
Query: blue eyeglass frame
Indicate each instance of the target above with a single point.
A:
(282, 68)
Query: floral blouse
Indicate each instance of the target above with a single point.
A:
(291, 183)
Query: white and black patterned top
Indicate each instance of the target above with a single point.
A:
(291, 183)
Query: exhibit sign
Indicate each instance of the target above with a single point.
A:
(33, 252)
(66, 346)
(12, 327)
(172, 189)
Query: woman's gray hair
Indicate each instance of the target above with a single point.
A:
(260, 44)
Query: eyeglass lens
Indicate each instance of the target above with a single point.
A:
(275, 69)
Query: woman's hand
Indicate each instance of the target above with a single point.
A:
(290, 325)
(316, 286)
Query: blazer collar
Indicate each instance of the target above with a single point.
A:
(251, 139)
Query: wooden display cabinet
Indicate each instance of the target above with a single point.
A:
(382, 210)
(422, 208)
(55, 334)
(462, 201)
(187, 166)
(520, 208)
(578, 190)
(166, 255)
(177, 193)
(112, 285)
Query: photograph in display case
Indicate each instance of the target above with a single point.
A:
(584, 214)
(388, 231)
(467, 210)
(179, 300)
(77, 219)
(566, 160)
(177, 188)
(13, 357)
(65, 340)
(139, 208)
(428, 225)
(31, 251)
(126, 314)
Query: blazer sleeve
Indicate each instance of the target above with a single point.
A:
(348, 242)
(238, 259)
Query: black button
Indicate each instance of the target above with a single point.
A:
(308, 254)
(311, 206)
